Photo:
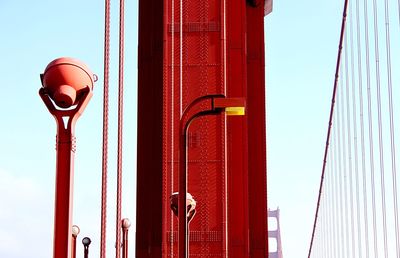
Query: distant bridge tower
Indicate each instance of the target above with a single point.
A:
(274, 235)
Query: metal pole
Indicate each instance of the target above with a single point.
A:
(185, 121)
(64, 191)
(182, 212)
(61, 81)
(75, 233)
(64, 171)
(125, 227)
(211, 105)
(86, 242)
(183, 230)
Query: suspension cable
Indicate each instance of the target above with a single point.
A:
(362, 133)
(342, 164)
(120, 128)
(370, 130)
(392, 139)
(355, 145)
(105, 130)
(348, 135)
(380, 130)
(392, 130)
(336, 209)
(332, 228)
(330, 122)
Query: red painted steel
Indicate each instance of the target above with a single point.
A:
(257, 168)
(194, 67)
(189, 49)
(64, 79)
(67, 82)
(203, 106)
(75, 233)
(104, 160)
(194, 64)
(64, 172)
(229, 102)
(126, 224)
(237, 176)
(120, 128)
(149, 225)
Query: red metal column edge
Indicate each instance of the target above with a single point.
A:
(150, 130)
(257, 132)
(237, 138)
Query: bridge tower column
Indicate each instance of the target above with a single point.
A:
(274, 235)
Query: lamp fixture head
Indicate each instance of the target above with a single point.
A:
(64, 78)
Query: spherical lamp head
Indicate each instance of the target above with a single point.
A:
(64, 78)
(75, 230)
(86, 241)
(126, 223)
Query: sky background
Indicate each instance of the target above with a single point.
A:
(301, 47)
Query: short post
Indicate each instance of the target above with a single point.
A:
(86, 242)
(75, 233)
(125, 228)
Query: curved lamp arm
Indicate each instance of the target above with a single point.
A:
(73, 114)
(202, 106)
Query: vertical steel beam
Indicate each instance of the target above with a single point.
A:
(150, 130)
(257, 168)
(237, 165)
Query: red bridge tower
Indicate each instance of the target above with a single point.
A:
(189, 49)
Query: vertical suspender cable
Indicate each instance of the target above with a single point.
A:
(343, 85)
(349, 139)
(340, 171)
(380, 131)
(362, 134)
(398, 10)
(336, 192)
(370, 131)
(330, 123)
(105, 130)
(332, 249)
(120, 128)
(342, 166)
(355, 130)
(392, 140)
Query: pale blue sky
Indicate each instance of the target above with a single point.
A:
(301, 46)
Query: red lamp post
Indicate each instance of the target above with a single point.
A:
(75, 233)
(202, 106)
(67, 84)
(125, 228)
